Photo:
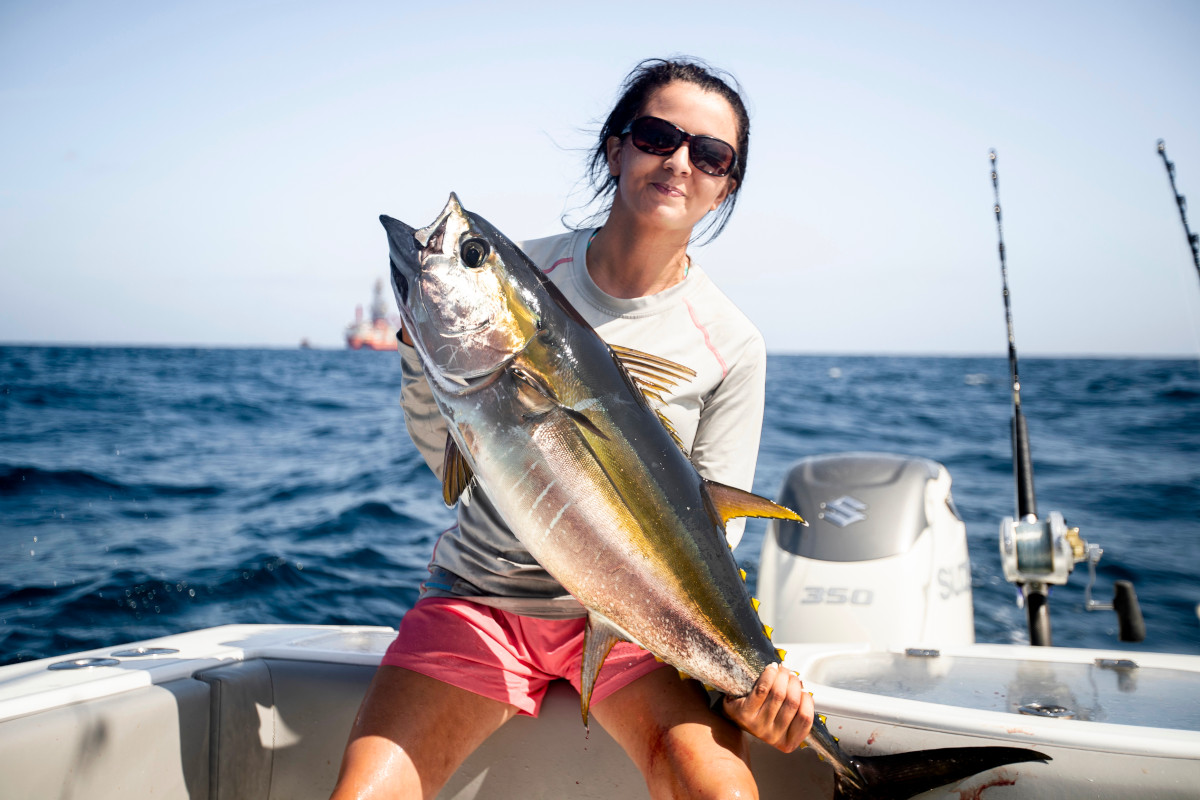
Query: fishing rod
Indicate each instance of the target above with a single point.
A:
(1022, 460)
(1181, 201)
(1034, 593)
(1037, 553)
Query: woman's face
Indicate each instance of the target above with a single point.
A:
(669, 191)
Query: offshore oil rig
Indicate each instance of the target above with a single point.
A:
(376, 333)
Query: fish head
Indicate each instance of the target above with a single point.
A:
(462, 291)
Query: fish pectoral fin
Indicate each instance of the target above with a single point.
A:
(535, 397)
(538, 399)
(456, 473)
(582, 420)
(598, 639)
(729, 502)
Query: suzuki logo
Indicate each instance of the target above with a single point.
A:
(843, 511)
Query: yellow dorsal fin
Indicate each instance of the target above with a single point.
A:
(731, 503)
(456, 473)
(653, 376)
(652, 367)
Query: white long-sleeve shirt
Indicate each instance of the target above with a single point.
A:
(717, 415)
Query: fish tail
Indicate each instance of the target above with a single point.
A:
(904, 775)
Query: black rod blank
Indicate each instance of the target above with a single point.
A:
(1022, 459)
(1181, 201)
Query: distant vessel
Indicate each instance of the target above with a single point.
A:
(379, 333)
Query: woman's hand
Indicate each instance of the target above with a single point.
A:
(777, 710)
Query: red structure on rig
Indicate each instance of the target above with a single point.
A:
(379, 333)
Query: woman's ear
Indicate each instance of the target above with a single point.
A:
(730, 185)
(612, 149)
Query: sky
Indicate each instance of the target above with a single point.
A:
(212, 173)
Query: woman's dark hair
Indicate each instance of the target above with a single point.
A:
(648, 77)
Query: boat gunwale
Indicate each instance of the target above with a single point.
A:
(30, 687)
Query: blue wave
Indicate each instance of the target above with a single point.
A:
(150, 490)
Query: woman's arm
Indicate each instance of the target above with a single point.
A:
(725, 449)
(425, 423)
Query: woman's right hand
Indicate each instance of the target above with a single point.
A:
(777, 710)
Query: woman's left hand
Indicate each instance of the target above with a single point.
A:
(777, 710)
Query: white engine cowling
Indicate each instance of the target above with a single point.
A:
(884, 559)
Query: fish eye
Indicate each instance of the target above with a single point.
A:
(474, 252)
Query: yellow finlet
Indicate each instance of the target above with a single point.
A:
(754, 602)
(768, 630)
(742, 572)
(782, 653)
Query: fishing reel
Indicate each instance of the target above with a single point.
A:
(1037, 552)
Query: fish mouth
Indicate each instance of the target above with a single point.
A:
(402, 249)
(432, 238)
(399, 283)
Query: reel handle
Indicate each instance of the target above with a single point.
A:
(1131, 624)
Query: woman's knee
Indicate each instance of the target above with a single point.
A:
(696, 761)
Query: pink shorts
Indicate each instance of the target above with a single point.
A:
(505, 656)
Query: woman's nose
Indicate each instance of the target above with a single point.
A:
(679, 162)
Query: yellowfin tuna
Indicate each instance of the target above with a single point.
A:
(563, 432)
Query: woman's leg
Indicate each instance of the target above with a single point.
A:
(683, 748)
(411, 733)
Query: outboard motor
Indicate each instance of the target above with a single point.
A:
(884, 559)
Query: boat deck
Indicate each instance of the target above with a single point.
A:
(246, 711)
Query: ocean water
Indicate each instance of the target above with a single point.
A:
(151, 491)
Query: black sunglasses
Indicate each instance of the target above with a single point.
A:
(659, 137)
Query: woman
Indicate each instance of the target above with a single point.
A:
(492, 628)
